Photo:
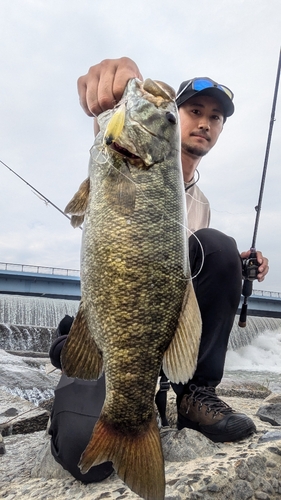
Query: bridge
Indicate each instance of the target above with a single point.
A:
(40, 281)
(21, 279)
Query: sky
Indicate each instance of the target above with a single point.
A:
(45, 136)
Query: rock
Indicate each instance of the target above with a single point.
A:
(270, 413)
(47, 405)
(231, 471)
(25, 375)
(171, 412)
(195, 467)
(273, 398)
(18, 416)
(270, 436)
(45, 464)
(2, 445)
(229, 387)
(242, 490)
(186, 444)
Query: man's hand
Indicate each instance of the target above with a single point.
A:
(263, 261)
(104, 84)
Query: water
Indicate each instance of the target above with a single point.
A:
(35, 311)
(254, 353)
(26, 338)
(259, 361)
(255, 326)
(47, 312)
(33, 395)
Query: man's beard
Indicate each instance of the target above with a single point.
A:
(193, 150)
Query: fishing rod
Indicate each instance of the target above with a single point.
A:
(36, 191)
(251, 265)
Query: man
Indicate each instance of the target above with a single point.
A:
(204, 107)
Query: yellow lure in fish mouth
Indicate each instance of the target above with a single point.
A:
(112, 133)
(115, 125)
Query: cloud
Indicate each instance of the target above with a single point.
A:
(45, 136)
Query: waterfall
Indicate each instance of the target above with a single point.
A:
(255, 326)
(35, 311)
(26, 338)
(29, 323)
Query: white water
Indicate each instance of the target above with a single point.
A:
(254, 352)
(263, 354)
(34, 395)
(259, 361)
(35, 311)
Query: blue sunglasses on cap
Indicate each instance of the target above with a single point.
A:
(199, 84)
(189, 88)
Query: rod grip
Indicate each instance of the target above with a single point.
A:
(247, 288)
(243, 316)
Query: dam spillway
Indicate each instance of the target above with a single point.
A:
(29, 323)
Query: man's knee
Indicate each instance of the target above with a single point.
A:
(212, 241)
(214, 259)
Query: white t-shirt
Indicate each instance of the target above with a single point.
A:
(198, 208)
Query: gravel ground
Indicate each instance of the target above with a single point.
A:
(245, 469)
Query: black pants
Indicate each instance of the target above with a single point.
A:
(78, 403)
(76, 409)
(218, 291)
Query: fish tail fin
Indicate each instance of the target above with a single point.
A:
(136, 457)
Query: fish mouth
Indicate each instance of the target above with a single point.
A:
(126, 154)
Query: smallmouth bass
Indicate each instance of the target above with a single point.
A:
(138, 309)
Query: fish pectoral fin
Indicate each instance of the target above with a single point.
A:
(122, 192)
(180, 359)
(136, 457)
(78, 204)
(80, 355)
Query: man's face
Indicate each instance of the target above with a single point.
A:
(201, 119)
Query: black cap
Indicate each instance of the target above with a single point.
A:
(206, 86)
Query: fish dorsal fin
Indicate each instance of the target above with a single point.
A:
(159, 89)
(81, 357)
(180, 359)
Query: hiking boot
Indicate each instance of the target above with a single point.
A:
(203, 411)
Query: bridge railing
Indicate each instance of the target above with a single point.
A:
(26, 268)
(265, 293)
(6, 266)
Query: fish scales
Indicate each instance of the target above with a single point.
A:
(135, 280)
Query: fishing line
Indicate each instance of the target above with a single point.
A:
(106, 156)
(35, 191)
(197, 201)
(231, 213)
(187, 187)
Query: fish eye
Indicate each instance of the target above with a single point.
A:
(171, 117)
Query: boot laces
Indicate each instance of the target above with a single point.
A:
(207, 396)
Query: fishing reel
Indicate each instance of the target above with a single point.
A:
(250, 267)
(250, 271)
